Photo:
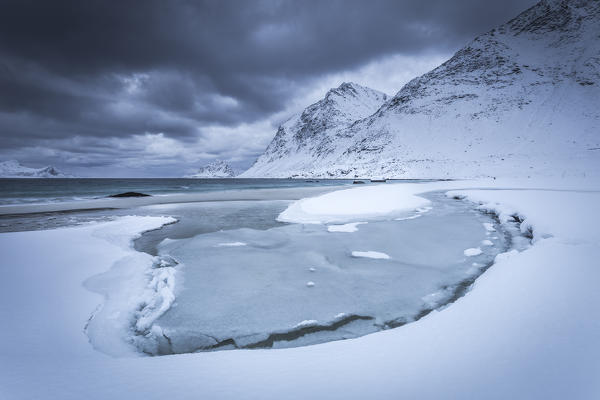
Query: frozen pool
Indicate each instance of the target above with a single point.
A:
(293, 285)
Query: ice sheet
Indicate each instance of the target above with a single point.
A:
(384, 274)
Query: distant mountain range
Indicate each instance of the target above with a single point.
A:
(13, 169)
(216, 169)
(520, 100)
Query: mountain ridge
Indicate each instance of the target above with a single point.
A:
(519, 100)
(215, 169)
(14, 169)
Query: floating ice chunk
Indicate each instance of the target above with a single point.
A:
(310, 284)
(489, 227)
(406, 218)
(230, 244)
(307, 322)
(370, 254)
(474, 251)
(487, 242)
(312, 269)
(351, 227)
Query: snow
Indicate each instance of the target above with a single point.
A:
(352, 204)
(474, 251)
(231, 244)
(315, 132)
(13, 169)
(487, 242)
(409, 217)
(488, 227)
(348, 228)
(216, 169)
(527, 319)
(307, 322)
(371, 254)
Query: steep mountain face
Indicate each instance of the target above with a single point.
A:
(216, 169)
(520, 100)
(12, 169)
(318, 134)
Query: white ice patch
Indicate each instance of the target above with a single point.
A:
(231, 244)
(489, 227)
(474, 251)
(422, 210)
(370, 254)
(487, 242)
(351, 204)
(351, 227)
(307, 322)
(310, 284)
(409, 217)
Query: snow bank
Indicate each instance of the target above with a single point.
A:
(352, 204)
(371, 254)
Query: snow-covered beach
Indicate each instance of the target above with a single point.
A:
(429, 232)
(525, 329)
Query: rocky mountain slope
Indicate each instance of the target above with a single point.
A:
(520, 100)
(318, 134)
(13, 169)
(216, 169)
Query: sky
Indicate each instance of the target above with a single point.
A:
(159, 88)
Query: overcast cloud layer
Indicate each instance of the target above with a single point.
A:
(157, 88)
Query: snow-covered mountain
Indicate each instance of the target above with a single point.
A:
(318, 134)
(13, 169)
(520, 100)
(216, 169)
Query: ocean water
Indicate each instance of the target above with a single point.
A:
(39, 191)
(33, 204)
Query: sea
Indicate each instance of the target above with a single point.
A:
(39, 191)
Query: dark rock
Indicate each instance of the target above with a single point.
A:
(130, 194)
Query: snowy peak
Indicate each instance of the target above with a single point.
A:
(343, 105)
(520, 100)
(553, 15)
(553, 41)
(13, 169)
(317, 131)
(216, 169)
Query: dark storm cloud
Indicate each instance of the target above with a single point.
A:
(116, 69)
